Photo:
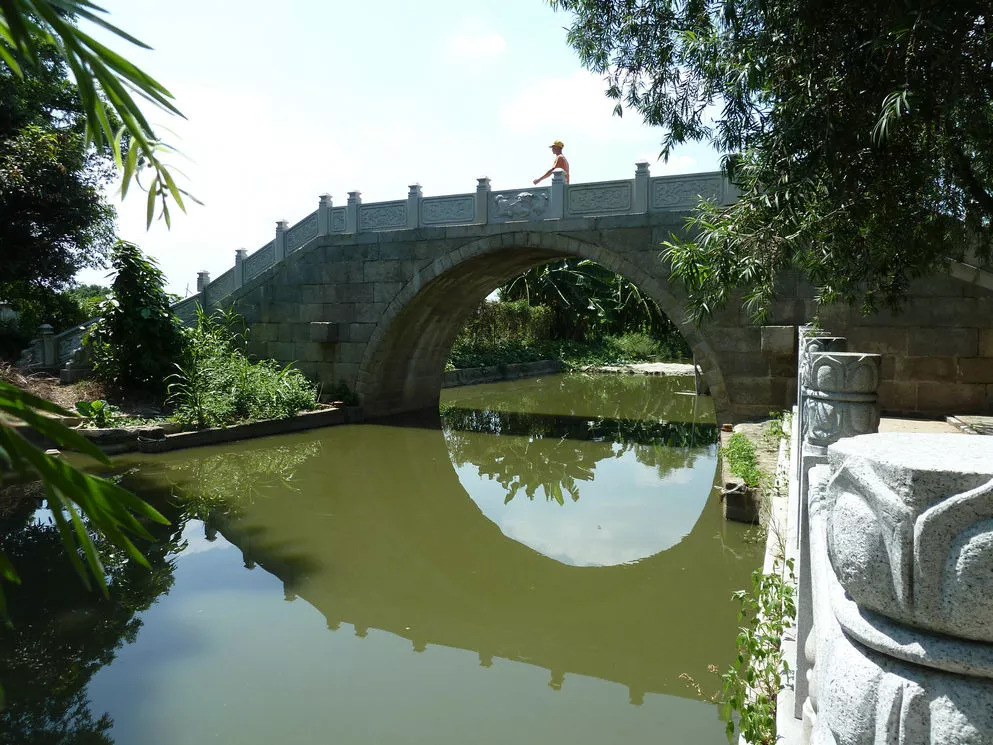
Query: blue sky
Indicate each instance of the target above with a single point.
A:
(284, 105)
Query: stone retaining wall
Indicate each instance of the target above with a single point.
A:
(496, 373)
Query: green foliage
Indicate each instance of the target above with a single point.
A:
(138, 340)
(742, 462)
(752, 683)
(71, 493)
(589, 302)
(216, 384)
(107, 85)
(610, 350)
(637, 346)
(100, 413)
(858, 133)
(494, 322)
(89, 298)
(781, 426)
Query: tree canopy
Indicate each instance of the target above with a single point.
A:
(108, 85)
(54, 219)
(859, 134)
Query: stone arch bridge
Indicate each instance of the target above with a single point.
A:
(373, 295)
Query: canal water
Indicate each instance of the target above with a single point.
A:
(543, 562)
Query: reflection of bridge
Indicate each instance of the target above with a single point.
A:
(424, 564)
(373, 295)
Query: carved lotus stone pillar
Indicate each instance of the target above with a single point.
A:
(811, 341)
(839, 400)
(904, 628)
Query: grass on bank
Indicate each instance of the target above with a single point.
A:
(610, 350)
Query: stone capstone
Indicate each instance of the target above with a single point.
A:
(910, 532)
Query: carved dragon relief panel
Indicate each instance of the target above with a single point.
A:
(524, 205)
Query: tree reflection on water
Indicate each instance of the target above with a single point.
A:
(61, 634)
(532, 451)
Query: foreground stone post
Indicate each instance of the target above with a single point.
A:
(324, 215)
(839, 400)
(641, 179)
(556, 199)
(482, 200)
(279, 246)
(414, 196)
(49, 353)
(811, 341)
(203, 279)
(352, 211)
(902, 547)
(240, 255)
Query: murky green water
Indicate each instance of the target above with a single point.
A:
(540, 568)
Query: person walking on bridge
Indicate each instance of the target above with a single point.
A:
(560, 162)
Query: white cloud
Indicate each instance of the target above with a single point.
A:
(577, 99)
(475, 45)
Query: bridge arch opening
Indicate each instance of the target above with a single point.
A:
(403, 366)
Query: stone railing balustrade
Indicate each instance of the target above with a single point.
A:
(895, 596)
(639, 195)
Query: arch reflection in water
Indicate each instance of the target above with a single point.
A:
(644, 483)
(379, 532)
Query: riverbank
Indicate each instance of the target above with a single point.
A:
(647, 368)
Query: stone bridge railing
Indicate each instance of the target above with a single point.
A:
(639, 195)
(895, 600)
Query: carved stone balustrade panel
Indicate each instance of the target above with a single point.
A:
(301, 233)
(448, 210)
(259, 261)
(383, 216)
(615, 197)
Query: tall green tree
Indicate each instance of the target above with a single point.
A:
(137, 341)
(54, 219)
(858, 132)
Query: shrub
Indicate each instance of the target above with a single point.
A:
(753, 682)
(138, 340)
(495, 322)
(636, 346)
(217, 384)
(741, 460)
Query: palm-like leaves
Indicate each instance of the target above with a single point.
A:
(113, 511)
(106, 81)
